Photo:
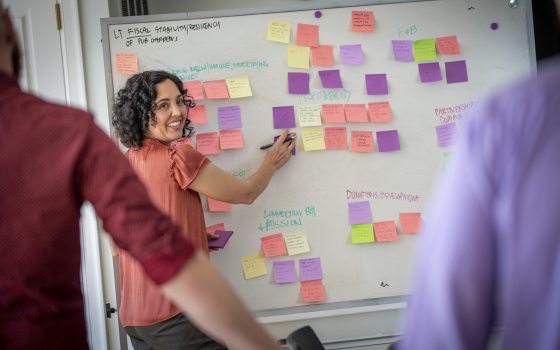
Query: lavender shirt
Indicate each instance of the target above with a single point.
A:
(490, 252)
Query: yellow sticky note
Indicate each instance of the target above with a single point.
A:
(278, 31)
(126, 63)
(253, 266)
(239, 87)
(296, 243)
(298, 56)
(313, 139)
(362, 233)
(309, 115)
(425, 50)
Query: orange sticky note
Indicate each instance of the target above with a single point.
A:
(216, 89)
(307, 35)
(355, 113)
(197, 115)
(448, 45)
(410, 222)
(333, 113)
(335, 138)
(362, 21)
(208, 143)
(126, 63)
(380, 112)
(194, 89)
(215, 227)
(385, 231)
(216, 205)
(322, 55)
(274, 245)
(362, 141)
(312, 291)
(231, 139)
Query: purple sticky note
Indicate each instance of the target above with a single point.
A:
(456, 72)
(310, 269)
(376, 84)
(359, 213)
(298, 83)
(293, 149)
(229, 117)
(402, 50)
(445, 134)
(221, 241)
(429, 72)
(388, 141)
(351, 54)
(330, 78)
(284, 271)
(284, 117)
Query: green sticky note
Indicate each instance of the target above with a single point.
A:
(362, 233)
(425, 50)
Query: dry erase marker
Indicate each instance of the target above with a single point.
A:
(288, 139)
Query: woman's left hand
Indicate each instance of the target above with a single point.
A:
(210, 236)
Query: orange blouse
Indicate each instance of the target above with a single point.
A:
(166, 171)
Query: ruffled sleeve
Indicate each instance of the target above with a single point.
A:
(186, 163)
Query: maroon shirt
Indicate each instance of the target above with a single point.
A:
(52, 159)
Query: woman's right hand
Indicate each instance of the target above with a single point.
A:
(281, 152)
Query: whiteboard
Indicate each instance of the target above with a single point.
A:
(311, 193)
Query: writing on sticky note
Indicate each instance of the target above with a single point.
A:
(362, 21)
(284, 271)
(410, 222)
(322, 55)
(215, 205)
(429, 72)
(126, 63)
(229, 117)
(388, 141)
(194, 89)
(307, 35)
(445, 134)
(362, 233)
(456, 72)
(361, 141)
(333, 113)
(425, 50)
(296, 243)
(312, 291)
(335, 138)
(284, 117)
(310, 269)
(402, 50)
(215, 227)
(278, 31)
(359, 212)
(448, 45)
(208, 143)
(298, 83)
(313, 139)
(239, 87)
(376, 84)
(197, 115)
(309, 115)
(380, 112)
(253, 266)
(216, 89)
(298, 56)
(230, 139)
(273, 245)
(352, 54)
(330, 78)
(385, 231)
(355, 113)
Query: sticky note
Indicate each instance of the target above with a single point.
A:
(410, 222)
(322, 55)
(296, 243)
(362, 233)
(230, 139)
(335, 138)
(220, 242)
(309, 115)
(456, 72)
(376, 84)
(273, 245)
(359, 212)
(126, 63)
(253, 266)
(216, 89)
(352, 54)
(197, 115)
(229, 117)
(355, 113)
(448, 45)
(278, 31)
(425, 50)
(312, 291)
(445, 134)
(313, 139)
(330, 78)
(215, 205)
(385, 231)
(380, 112)
(215, 227)
(298, 83)
(362, 21)
(284, 117)
(298, 56)
(284, 271)
(388, 141)
(194, 89)
(310, 269)
(333, 113)
(307, 35)
(239, 87)
(208, 143)
(429, 72)
(361, 141)
(402, 50)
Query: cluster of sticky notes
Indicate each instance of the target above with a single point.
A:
(230, 135)
(236, 87)
(364, 230)
(284, 271)
(298, 82)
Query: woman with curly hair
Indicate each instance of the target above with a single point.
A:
(150, 116)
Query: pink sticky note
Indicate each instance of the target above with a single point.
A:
(215, 227)
(216, 205)
(194, 89)
(333, 113)
(448, 45)
(362, 21)
(380, 112)
(385, 231)
(362, 141)
(307, 35)
(231, 139)
(335, 138)
(274, 245)
(322, 55)
(356, 113)
(197, 115)
(126, 63)
(312, 291)
(216, 89)
(208, 143)
(410, 222)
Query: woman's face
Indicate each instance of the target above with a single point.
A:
(170, 113)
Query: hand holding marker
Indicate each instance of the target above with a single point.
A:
(289, 138)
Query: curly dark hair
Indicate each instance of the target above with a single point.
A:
(134, 105)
